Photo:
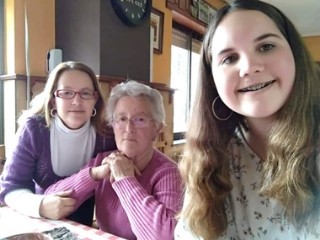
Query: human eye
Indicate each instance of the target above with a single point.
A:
(140, 121)
(66, 93)
(266, 47)
(229, 59)
(121, 119)
(87, 94)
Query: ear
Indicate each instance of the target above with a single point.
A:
(96, 100)
(53, 102)
(158, 129)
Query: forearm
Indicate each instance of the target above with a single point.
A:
(82, 184)
(150, 218)
(29, 206)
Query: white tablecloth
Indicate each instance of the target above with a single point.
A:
(12, 223)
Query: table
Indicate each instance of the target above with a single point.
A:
(11, 223)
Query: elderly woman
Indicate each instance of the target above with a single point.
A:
(137, 188)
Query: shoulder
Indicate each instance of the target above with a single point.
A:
(35, 121)
(161, 166)
(163, 160)
(34, 124)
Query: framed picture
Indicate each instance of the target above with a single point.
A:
(157, 18)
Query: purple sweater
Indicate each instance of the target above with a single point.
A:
(141, 207)
(30, 163)
(29, 166)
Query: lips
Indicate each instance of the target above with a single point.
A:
(76, 111)
(256, 87)
(128, 139)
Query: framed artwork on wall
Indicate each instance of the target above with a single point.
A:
(157, 21)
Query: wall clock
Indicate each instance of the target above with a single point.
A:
(132, 12)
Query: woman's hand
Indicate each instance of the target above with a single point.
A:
(120, 166)
(57, 206)
(102, 171)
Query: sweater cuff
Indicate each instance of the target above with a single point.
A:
(30, 205)
(129, 187)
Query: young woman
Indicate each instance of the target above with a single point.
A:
(64, 128)
(137, 188)
(251, 162)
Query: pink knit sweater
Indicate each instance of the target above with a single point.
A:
(141, 207)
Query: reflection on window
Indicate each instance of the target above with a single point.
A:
(184, 70)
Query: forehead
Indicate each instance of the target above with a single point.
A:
(242, 26)
(133, 105)
(75, 78)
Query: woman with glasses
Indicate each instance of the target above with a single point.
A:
(64, 128)
(137, 188)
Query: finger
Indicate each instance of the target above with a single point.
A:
(105, 160)
(66, 193)
(114, 154)
(69, 202)
(136, 170)
(111, 178)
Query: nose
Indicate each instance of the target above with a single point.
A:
(77, 99)
(129, 126)
(250, 65)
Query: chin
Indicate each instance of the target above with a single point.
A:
(129, 152)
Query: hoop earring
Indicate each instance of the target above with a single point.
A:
(52, 112)
(214, 113)
(94, 112)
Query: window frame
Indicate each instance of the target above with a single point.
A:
(191, 34)
(1, 71)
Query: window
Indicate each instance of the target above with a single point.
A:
(1, 70)
(185, 57)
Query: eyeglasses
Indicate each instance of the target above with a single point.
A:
(68, 94)
(138, 121)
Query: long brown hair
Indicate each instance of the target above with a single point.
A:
(290, 174)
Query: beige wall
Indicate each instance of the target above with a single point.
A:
(313, 44)
(40, 19)
(41, 22)
(41, 32)
(162, 62)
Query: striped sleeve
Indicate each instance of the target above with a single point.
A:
(151, 216)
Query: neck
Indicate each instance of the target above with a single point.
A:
(257, 136)
(143, 160)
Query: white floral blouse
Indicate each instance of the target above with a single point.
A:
(250, 215)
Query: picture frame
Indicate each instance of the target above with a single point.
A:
(205, 12)
(156, 23)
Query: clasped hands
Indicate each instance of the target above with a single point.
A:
(115, 167)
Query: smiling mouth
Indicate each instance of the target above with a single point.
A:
(256, 87)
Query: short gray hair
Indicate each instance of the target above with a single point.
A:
(135, 89)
